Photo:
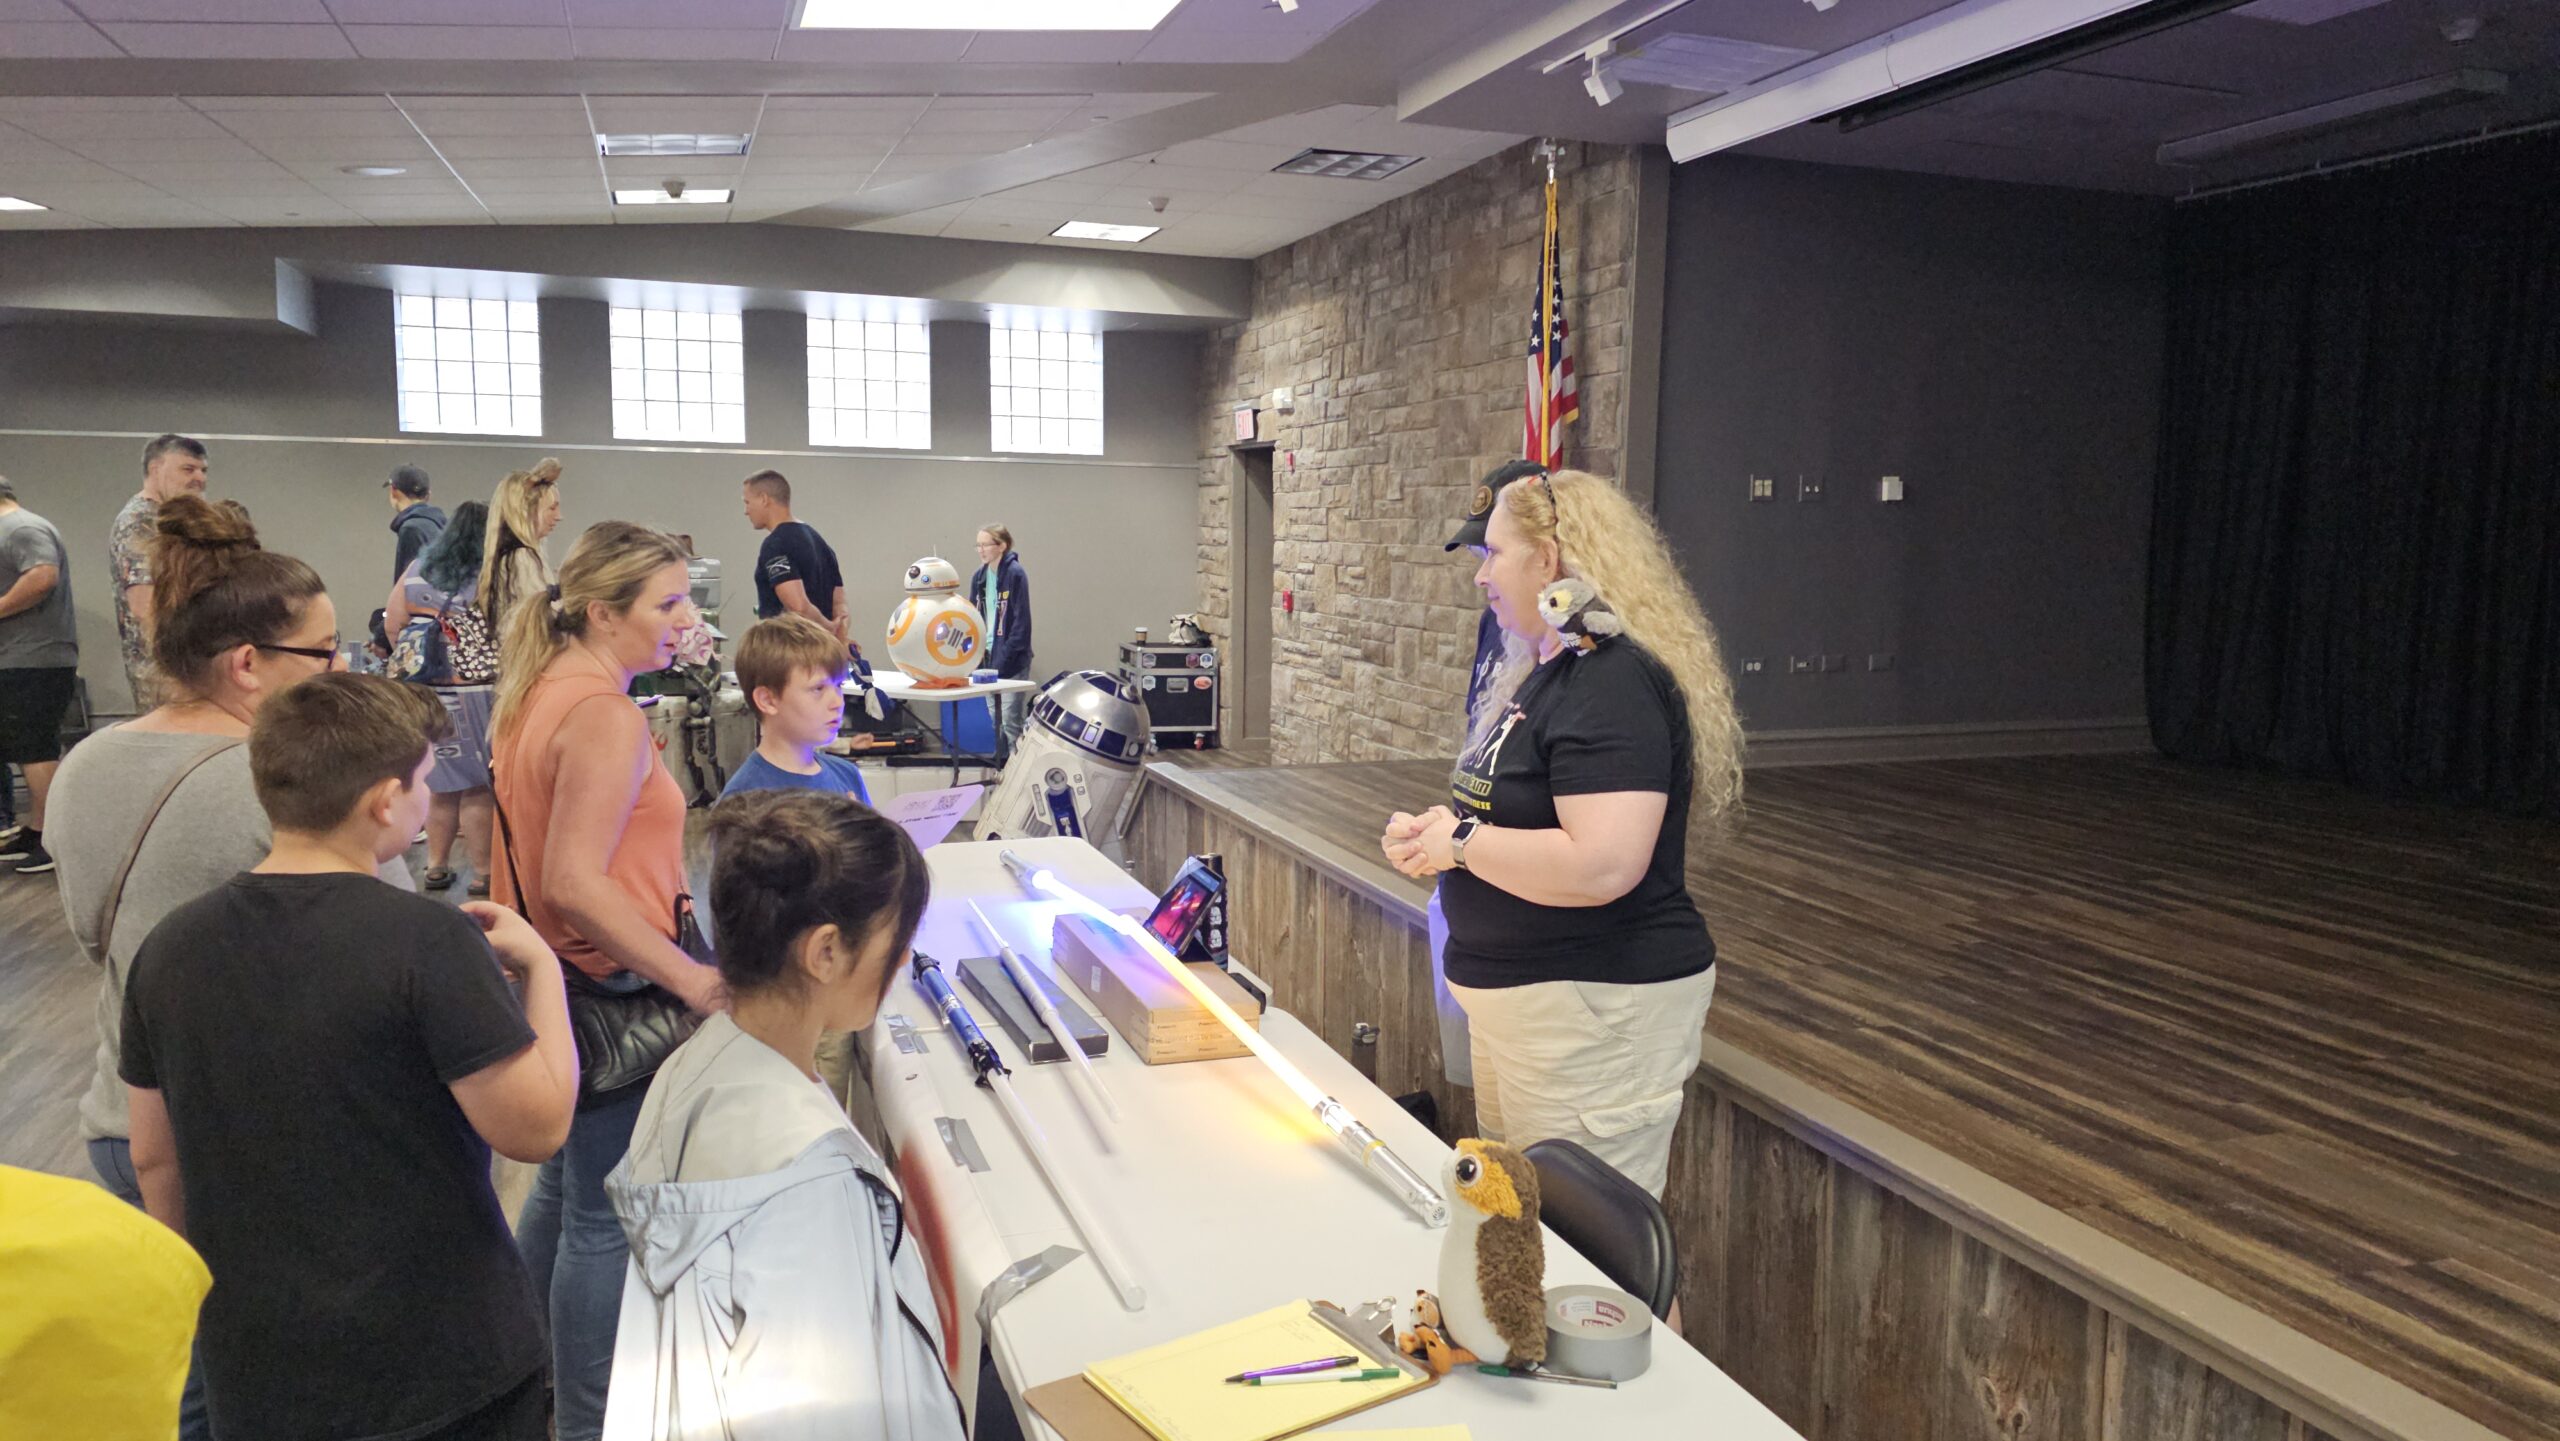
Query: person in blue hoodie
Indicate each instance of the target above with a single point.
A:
(414, 523)
(747, 1190)
(1003, 595)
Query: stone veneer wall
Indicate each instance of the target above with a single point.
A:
(1404, 333)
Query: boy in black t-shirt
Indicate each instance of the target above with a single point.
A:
(319, 1065)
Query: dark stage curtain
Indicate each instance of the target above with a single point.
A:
(2355, 548)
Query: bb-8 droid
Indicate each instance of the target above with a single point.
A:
(936, 636)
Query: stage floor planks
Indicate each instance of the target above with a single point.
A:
(2299, 1043)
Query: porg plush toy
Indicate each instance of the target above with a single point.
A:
(1576, 610)
(1493, 1264)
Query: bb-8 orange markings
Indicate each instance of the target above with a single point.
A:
(935, 635)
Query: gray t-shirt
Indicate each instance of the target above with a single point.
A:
(210, 830)
(40, 637)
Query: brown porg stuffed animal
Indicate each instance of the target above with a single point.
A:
(1493, 1265)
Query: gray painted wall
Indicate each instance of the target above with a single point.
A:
(1109, 541)
(1996, 346)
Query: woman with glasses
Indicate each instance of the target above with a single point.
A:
(744, 1172)
(157, 811)
(1602, 742)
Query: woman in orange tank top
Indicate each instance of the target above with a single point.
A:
(593, 829)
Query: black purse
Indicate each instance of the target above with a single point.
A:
(625, 1027)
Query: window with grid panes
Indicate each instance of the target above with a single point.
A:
(472, 367)
(870, 383)
(1046, 389)
(678, 375)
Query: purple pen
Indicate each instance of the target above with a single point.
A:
(1329, 1363)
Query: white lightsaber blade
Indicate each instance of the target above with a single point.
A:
(1389, 1169)
(1029, 984)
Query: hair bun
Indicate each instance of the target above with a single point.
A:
(209, 525)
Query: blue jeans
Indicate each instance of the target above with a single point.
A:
(1013, 710)
(112, 1159)
(573, 1245)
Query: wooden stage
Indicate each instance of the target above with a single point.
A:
(2259, 1078)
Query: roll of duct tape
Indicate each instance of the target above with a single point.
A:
(1598, 1331)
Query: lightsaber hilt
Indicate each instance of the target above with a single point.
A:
(1402, 1181)
(983, 1056)
(1022, 870)
(1027, 983)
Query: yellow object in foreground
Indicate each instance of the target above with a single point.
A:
(1178, 1391)
(97, 1314)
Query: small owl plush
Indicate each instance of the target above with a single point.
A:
(1493, 1262)
(1578, 612)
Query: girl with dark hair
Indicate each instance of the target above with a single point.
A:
(443, 586)
(746, 1179)
(157, 811)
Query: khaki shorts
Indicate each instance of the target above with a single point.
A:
(1604, 1066)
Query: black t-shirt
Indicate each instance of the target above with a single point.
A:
(793, 551)
(302, 1031)
(1581, 724)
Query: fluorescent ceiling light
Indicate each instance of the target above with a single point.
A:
(374, 172)
(1344, 164)
(1096, 230)
(1960, 35)
(984, 14)
(11, 202)
(1708, 64)
(2451, 88)
(658, 195)
(672, 144)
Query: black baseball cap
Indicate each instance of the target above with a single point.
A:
(409, 480)
(1480, 505)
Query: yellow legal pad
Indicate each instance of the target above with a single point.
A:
(1179, 1391)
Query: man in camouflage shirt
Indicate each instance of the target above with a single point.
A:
(172, 465)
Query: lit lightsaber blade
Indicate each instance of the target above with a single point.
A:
(1401, 1180)
(1025, 982)
(999, 1082)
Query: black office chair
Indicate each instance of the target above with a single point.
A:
(1611, 1220)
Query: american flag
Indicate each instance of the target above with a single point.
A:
(1553, 403)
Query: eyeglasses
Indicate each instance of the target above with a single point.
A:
(327, 653)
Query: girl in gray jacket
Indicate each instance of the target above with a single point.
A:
(775, 1293)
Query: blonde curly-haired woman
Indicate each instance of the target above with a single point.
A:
(1582, 962)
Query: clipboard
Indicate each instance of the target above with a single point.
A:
(1081, 1411)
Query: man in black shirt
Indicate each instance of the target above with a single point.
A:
(796, 568)
(319, 1066)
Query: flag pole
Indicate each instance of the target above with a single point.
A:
(1547, 151)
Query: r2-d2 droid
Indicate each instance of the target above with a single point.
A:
(1075, 770)
(935, 636)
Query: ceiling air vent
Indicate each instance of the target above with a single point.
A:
(1343, 164)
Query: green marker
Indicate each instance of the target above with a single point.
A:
(1315, 1378)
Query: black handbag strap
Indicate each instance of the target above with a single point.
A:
(684, 916)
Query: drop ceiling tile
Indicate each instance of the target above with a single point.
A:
(909, 106)
(45, 40)
(957, 146)
(769, 146)
(17, 146)
(459, 42)
(440, 124)
(555, 187)
(44, 220)
(875, 47)
(1021, 126)
(475, 171)
(714, 114)
(257, 125)
(1053, 191)
(459, 148)
(562, 217)
(197, 188)
(450, 12)
(212, 173)
(671, 44)
(126, 154)
(443, 104)
(1055, 46)
(670, 214)
(38, 10)
(686, 14)
(71, 127)
(233, 42)
(13, 107)
(356, 189)
(694, 169)
(151, 213)
(1247, 157)
(418, 208)
(281, 12)
(216, 105)
(314, 149)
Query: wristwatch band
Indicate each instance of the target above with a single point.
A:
(1458, 842)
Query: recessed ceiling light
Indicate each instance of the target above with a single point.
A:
(375, 172)
(1096, 230)
(682, 143)
(983, 15)
(11, 202)
(1344, 164)
(660, 195)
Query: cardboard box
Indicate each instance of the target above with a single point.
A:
(1152, 1011)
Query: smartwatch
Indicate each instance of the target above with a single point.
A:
(1458, 842)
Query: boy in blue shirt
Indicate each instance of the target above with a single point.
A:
(792, 670)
